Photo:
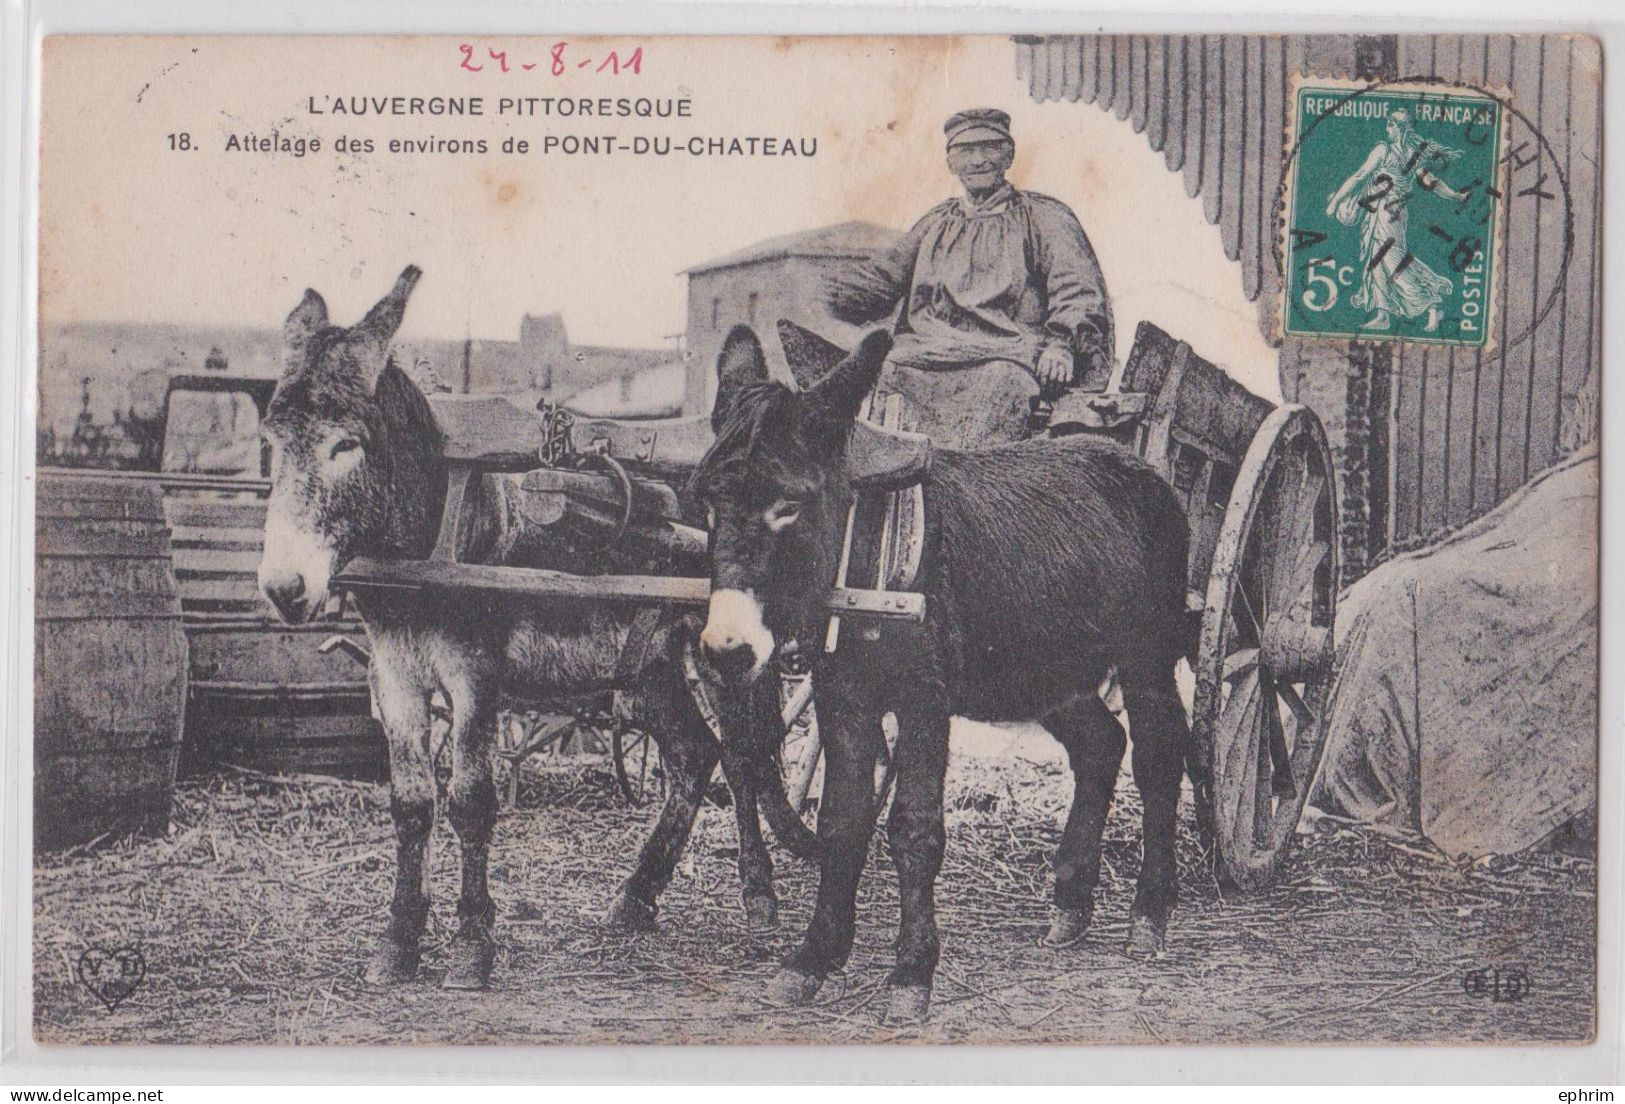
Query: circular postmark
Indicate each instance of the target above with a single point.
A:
(1396, 204)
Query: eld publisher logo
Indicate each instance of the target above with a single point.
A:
(1500, 986)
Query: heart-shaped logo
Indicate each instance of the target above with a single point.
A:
(112, 973)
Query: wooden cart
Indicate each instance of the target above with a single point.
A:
(592, 482)
(1256, 481)
(1260, 494)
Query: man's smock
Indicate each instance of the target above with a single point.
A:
(999, 280)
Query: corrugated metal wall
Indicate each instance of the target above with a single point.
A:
(1212, 105)
(1470, 428)
(1453, 432)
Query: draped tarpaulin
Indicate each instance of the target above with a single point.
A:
(1466, 698)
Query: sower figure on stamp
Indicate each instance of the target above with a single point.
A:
(1002, 298)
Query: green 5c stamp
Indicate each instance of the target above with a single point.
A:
(1392, 207)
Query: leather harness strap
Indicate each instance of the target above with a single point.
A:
(635, 652)
(700, 690)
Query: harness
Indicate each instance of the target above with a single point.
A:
(635, 654)
(884, 540)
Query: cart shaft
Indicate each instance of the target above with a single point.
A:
(365, 573)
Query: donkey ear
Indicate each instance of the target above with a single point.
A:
(377, 329)
(306, 320)
(837, 397)
(810, 356)
(740, 363)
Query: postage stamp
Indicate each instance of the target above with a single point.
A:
(1394, 205)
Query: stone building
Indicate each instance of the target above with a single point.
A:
(542, 360)
(774, 279)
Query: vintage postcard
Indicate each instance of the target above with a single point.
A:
(1038, 539)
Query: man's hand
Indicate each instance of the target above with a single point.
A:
(1054, 370)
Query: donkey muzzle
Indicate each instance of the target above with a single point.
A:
(296, 564)
(287, 593)
(735, 639)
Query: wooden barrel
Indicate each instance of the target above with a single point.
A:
(262, 696)
(110, 660)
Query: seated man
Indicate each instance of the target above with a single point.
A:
(1002, 298)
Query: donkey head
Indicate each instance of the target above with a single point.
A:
(353, 452)
(775, 484)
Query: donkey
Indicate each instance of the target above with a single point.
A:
(1046, 563)
(356, 469)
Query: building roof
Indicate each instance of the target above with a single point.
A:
(844, 239)
(652, 393)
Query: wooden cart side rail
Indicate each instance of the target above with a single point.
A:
(364, 573)
(170, 481)
(494, 432)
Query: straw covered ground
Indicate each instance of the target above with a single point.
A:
(254, 914)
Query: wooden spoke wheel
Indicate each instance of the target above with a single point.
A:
(802, 752)
(801, 760)
(1264, 664)
(635, 759)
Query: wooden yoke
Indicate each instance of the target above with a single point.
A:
(458, 477)
(886, 459)
(364, 573)
(499, 434)
(498, 439)
(502, 442)
(887, 466)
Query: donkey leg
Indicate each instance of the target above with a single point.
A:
(471, 807)
(752, 727)
(1160, 729)
(1094, 745)
(846, 822)
(755, 864)
(917, 837)
(689, 755)
(405, 712)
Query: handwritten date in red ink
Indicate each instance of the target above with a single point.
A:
(561, 58)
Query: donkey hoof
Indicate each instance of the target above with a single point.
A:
(908, 1005)
(469, 965)
(761, 914)
(792, 989)
(392, 963)
(1146, 937)
(630, 914)
(1067, 927)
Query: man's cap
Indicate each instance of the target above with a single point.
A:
(979, 124)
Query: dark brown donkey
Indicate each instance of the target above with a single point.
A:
(1046, 563)
(357, 470)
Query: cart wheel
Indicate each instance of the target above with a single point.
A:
(801, 761)
(1264, 665)
(636, 760)
(801, 753)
